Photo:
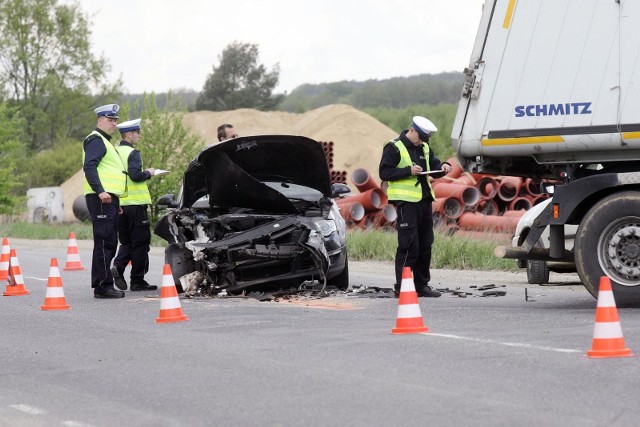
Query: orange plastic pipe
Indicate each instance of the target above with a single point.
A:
(479, 222)
(363, 180)
(467, 194)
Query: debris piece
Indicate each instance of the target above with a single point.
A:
(526, 296)
(261, 296)
(494, 293)
(485, 287)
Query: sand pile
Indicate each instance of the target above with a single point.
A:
(358, 138)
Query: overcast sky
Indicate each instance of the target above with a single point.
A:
(161, 45)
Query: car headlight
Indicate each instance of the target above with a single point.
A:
(326, 227)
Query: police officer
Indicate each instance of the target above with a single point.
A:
(404, 165)
(104, 182)
(133, 221)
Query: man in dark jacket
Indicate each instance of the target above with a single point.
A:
(133, 222)
(104, 183)
(406, 164)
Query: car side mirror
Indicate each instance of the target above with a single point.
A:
(167, 201)
(339, 189)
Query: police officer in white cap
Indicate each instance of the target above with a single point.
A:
(104, 183)
(133, 222)
(405, 161)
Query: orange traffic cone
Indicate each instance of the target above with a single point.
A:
(607, 335)
(73, 256)
(170, 309)
(15, 286)
(5, 257)
(54, 298)
(409, 317)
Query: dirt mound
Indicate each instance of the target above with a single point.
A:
(357, 137)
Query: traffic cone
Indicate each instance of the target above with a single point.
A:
(54, 298)
(15, 285)
(409, 317)
(5, 257)
(607, 335)
(170, 309)
(73, 256)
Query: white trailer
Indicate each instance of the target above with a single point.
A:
(552, 91)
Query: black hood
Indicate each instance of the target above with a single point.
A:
(232, 172)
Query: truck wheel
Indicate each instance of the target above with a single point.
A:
(537, 271)
(181, 262)
(608, 244)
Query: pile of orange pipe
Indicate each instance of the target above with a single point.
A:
(337, 176)
(474, 205)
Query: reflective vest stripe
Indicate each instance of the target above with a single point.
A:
(406, 189)
(110, 171)
(137, 192)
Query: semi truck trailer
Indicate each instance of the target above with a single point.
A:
(552, 92)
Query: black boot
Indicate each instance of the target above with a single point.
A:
(118, 280)
(107, 293)
(427, 291)
(142, 285)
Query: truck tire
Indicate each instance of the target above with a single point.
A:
(537, 271)
(608, 244)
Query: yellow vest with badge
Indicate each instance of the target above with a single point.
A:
(408, 189)
(110, 170)
(138, 192)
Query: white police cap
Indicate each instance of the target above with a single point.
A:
(109, 110)
(129, 126)
(423, 125)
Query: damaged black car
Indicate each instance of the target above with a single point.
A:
(254, 213)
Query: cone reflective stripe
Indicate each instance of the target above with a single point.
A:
(5, 257)
(54, 298)
(73, 256)
(607, 333)
(15, 285)
(170, 308)
(409, 317)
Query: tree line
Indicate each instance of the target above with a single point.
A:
(50, 82)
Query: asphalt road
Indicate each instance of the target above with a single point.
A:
(486, 361)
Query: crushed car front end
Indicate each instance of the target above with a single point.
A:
(256, 212)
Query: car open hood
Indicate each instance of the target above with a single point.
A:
(232, 172)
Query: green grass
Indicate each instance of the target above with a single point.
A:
(450, 252)
(82, 230)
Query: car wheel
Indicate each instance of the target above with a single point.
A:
(181, 262)
(537, 271)
(608, 244)
(341, 281)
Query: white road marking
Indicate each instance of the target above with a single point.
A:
(27, 409)
(71, 423)
(508, 344)
(36, 278)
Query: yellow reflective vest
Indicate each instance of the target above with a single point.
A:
(408, 189)
(138, 192)
(110, 170)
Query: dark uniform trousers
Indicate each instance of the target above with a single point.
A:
(104, 217)
(415, 238)
(135, 236)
